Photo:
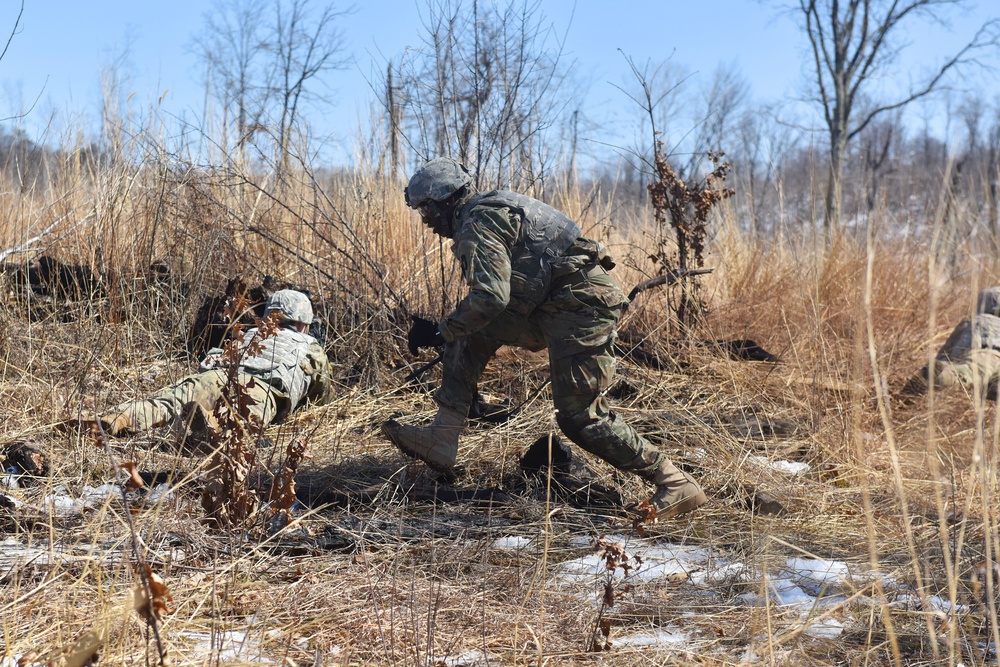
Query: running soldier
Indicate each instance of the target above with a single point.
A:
(534, 283)
(290, 371)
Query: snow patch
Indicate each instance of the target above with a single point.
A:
(511, 543)
(827, 628)
(227, 645)
(161, 493)
(91, 497)
(474, 658)
(789, 467)
(933, 603)
(648, 564)
(817, 575)
(658, 638)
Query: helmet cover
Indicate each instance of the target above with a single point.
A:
(294, 306)
(436, 181)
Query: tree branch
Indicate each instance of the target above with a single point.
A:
(991, 30)
(13, 31)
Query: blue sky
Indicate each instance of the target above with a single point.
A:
(61, 46)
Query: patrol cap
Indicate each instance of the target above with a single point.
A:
(437, 180)
(294, 306)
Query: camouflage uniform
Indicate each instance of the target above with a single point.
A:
(291, 370)
(576, 320)
(973, 348)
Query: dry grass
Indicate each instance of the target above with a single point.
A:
(374, 571)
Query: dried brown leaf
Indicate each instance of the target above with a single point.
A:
(134, 480)
(155, 606)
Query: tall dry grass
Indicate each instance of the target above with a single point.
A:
(903, 484)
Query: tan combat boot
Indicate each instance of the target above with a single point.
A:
(113, 424)
(436, 445)
(676, 492)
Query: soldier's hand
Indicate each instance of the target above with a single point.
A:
(423, 333)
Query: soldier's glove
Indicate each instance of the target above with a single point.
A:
(423, 333)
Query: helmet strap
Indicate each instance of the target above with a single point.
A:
(440, 216)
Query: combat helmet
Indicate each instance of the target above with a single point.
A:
(436, 181)
(294, 306)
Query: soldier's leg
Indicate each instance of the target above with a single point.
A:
(197, 423)
(264, 405)
(463, 364)
(437, 444)
(982, 366)
(465, 360)
(163, 406)
(194, 396)
(579, 321)
(585, 417)
(268, 402)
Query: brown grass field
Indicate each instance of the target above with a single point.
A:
(375, 568)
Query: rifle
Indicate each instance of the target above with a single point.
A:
(423, 369)
(668, 279)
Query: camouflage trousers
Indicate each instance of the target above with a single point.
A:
(199, 392)
(577, 324)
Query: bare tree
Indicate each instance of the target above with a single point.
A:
(852, 43)
(484, 88)
(232, 46)
(305, 43)
(656, 91)
(13, 31)
(992, 169)
(761, 145)
(264, 66)
(876, 145)
(721, 102)
(981, 123)
(21, 112)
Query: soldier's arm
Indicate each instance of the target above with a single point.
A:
(483, 249)
(320, 373)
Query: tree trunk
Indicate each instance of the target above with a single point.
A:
(835, 180)
(993, 177)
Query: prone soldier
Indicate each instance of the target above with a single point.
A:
(289, 370)
(972, 350)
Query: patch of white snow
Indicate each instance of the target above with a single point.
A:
(659, 638)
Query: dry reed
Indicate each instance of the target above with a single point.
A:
(373, 571)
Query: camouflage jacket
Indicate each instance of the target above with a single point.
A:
(292, 362)
(490, 246)
(980, 333)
